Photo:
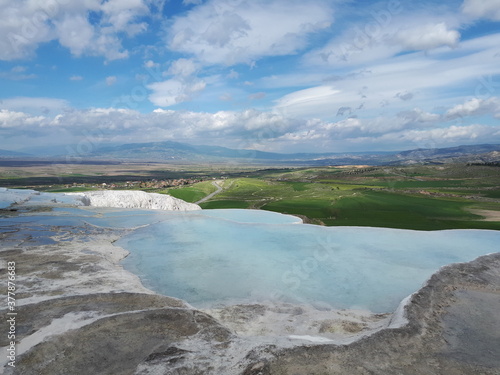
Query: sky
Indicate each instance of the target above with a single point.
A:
(273, 75)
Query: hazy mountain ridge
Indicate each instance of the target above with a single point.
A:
(11, 154)
(170, 151)
(484, 153)
(176, 151)
(450, 151)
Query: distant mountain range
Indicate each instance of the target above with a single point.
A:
(12, 154)
(170, 151)
(182, 152)
(486, 153)
(165, 151)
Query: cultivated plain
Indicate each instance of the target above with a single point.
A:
(421, 197)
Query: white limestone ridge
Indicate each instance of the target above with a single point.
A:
(134, 199)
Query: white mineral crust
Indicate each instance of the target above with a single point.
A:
(134, 199)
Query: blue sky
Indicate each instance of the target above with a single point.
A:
(275, 75)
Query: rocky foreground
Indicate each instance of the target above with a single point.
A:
(79, 312)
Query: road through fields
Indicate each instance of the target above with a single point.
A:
(211, 195)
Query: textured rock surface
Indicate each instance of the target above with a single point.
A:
(134, 199)
(454, 328)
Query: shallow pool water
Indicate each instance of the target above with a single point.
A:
(213, 258)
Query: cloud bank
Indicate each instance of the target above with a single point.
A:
(257, 129)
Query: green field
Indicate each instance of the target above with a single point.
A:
(421, 198)
(192, 193)
(70, 190)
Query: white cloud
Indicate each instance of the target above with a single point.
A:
(385, 82)
(312, 98)
(124, 125)
(174, 91)
(21, 31)
(28, 23)
(75, 78)
(405, 96)
(476, 107)
(17, 73)
(182, 87)
(353, 127)
(151, 64)
(110, 81)
(76, 33)
(348, 136)
(34, 105)
(230, 32)
(244, 129)
(233, 74)
(226, 97)
(183, 68)
(455, 134)
(344, 128)
(122, 14)
(11, 119)
(489, 9)
(427, 37)
(18, 69)
(167, 93)
(417, 116)
(378, 39)
(257, 96)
